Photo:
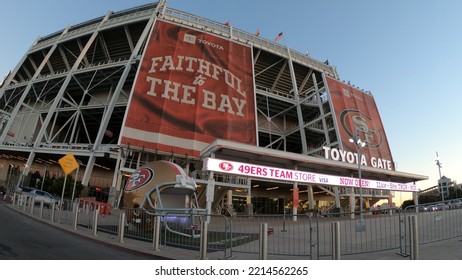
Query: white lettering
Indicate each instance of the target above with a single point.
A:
(171, 87)
(326, 152)
(187, 90)
(154, 62)
(152, 89)
(334, 154)
(201, 66)
(240, 103)
(350, 157)
(363, 160)
(381, 163)
(213, 45)
(209, 100)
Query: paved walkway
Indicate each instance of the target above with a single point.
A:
(450, 249)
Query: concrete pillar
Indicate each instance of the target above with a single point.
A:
(310, 197)
(229, 197)
(248, 198)
(390, 199)
(209, 194)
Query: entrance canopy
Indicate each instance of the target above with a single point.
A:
(232, 151)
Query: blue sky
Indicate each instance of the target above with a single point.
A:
(407, 53)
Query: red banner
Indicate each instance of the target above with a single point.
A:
(192, 88)
(356, 112)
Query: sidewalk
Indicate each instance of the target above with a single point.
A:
(450, 249)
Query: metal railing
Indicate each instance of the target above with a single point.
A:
(378, 231)
(435, 222)
(279, 236)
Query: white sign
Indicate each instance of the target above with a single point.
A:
(244, 169)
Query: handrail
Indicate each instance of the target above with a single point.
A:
(194, 21)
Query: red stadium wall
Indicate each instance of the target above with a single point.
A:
(356, 110)
(191, 88)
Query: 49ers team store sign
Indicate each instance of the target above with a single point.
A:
(191, 88)
(287, 175)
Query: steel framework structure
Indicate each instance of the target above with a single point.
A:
(69, 93)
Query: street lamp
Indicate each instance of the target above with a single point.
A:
(75, 179)
(359, 144)
(440, 187)
(44, 176)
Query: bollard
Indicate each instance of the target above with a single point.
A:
(263, 241)
(335, 234)
(203, 241)
(75, 210)
(24, 200)
(53, 208)
(32, 203)
(86, 207)
(413, 237)
(156, 234)
(14, 199)
(59, 209)
(95, 220)
(41, 209)
(121, 231)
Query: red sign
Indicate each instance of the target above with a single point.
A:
(192, 87)
(139, 178)
(295, 197)
(356, 112)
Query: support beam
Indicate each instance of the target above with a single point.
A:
(299, 110)
(108, 113)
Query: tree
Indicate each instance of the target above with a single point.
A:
(407, 203)
(56, 187)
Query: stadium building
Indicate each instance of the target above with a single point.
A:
(260, 126)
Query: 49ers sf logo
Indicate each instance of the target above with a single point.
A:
(226, 166)
(354, 121)
(139, 179)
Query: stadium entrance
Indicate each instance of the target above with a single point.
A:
(273, 182)
(163, 84)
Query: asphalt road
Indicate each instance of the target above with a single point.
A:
(24, 238)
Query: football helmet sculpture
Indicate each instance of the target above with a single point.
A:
(157, 188)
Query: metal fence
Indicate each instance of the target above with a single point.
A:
(372, 231)
(281, 236)
(435, 222)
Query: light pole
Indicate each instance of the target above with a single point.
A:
(440, 187)
(75, 179)
(44, 176)
(359, 145)
(9, 178)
